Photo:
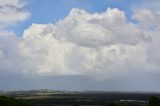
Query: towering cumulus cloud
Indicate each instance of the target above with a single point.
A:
(100, 45)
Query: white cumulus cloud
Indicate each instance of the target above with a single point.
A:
(101, 45)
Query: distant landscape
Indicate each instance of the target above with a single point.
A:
(46, 97)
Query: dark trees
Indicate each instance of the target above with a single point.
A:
(154, 101)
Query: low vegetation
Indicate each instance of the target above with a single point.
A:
(9, 101)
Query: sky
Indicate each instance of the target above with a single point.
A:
(98, 45)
